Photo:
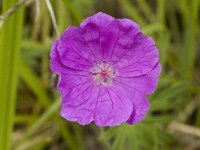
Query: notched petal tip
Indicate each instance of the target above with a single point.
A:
(127, 23)
(100, 19)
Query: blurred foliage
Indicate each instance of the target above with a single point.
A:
(25, 41)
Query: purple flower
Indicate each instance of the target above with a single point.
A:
(106, 67)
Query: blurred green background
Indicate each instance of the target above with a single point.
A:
(30, 103)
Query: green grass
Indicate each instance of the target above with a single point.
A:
(30, 103)
(10, 39)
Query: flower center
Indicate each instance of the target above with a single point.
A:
(103, 73)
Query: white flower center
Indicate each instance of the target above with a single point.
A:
(103, 73)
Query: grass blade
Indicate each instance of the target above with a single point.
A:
(10, 37)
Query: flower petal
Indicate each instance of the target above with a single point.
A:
(70, 84)
(57, 66)
(145, 83)
(91, 35)
(112, 107)
(117, 38)
(140, 108)
(139, 60)
(92, 32)
(82, 112)
(78, 98)
(73, 50)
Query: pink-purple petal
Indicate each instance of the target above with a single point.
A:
(73, 50)
(117, 38)
(57, 65)
(112, 108)
(146, 83)
(91, 35)
(81, 113)
(69, 85)
(141, 59)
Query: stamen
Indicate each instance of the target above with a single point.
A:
(103, 73)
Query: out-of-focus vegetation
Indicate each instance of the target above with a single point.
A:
(29, 102)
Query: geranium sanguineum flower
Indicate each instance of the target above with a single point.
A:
(106, 67)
